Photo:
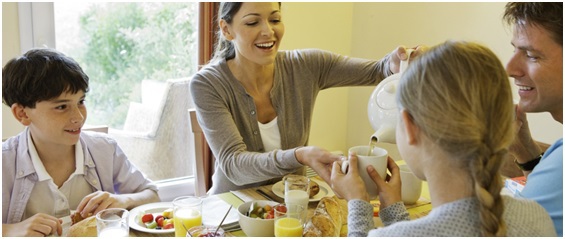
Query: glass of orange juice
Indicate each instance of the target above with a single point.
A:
(187, 213)
(289, 220)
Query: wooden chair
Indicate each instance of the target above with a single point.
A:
(204, 159)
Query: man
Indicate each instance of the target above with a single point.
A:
(537, 69)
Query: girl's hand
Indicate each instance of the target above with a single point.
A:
(39, 225)
(349, 185)
(390, 191)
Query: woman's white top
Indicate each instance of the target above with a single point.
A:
(270, 135)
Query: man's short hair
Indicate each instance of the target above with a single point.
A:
(548, 15)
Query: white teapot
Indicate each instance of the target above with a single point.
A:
(382, 109)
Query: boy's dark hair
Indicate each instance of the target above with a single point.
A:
(548, 15)
(39, 75)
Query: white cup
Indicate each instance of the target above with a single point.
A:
(411, 185)
(378, 159)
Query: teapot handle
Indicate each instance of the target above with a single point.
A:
(404, 64)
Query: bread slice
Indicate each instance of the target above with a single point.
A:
(84, 228)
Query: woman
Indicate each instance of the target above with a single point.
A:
(255, 103)
(454, 130)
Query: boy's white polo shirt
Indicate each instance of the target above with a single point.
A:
(46, 197)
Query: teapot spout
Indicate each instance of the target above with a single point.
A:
(385, 134)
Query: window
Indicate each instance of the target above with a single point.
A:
(129, 50)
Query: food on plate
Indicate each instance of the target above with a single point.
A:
(148, 217)
(168, 213)
(314, 188)
(205, 231)
(85, 228)
(326, 220)
(157, 221)
(211, 234)
(76, 217)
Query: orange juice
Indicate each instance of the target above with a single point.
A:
(187, 216)
(288, 227)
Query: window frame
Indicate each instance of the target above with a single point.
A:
(37, 29)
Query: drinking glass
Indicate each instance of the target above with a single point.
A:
(112, 222)
(296, 190)
(187, 213)
(289, 220)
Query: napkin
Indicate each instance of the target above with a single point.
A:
(247, 195)
(213, 211)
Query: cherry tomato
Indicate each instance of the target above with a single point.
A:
(160, 219)
(148, 217)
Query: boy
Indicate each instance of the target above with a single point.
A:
(52, 167)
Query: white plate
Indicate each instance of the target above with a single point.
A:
(213, 208)
(155, 208)
(325, 190)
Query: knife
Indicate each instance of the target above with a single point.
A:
(269, 197)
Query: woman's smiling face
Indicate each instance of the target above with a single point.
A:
(256, 31)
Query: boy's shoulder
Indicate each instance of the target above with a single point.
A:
(11, 143)
(97, 138)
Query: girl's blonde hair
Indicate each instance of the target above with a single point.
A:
(459, 95)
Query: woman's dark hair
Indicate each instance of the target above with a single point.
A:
(39, 75)
(223, 48)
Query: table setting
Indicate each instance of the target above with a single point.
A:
(231, 211)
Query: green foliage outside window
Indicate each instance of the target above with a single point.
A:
(125, 43)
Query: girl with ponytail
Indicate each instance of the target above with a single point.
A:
(454, 129)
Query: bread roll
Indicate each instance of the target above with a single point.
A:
(76, 217)
(326, 220)
(84, 228)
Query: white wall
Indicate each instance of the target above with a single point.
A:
(10, 49)
(326, 26)
(380, 27)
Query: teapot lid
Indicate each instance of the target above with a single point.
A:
(386, 92)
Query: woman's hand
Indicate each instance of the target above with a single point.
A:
(98, 201)
(399, 54)
(320, 160)
(389, 191)
(349, 185)
(39, 225)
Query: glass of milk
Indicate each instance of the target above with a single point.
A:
(296, 190)
(112, 222)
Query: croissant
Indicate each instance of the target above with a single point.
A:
(326, 220)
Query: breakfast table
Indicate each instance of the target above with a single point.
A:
(235, 198)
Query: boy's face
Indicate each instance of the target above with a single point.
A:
(57, 121)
